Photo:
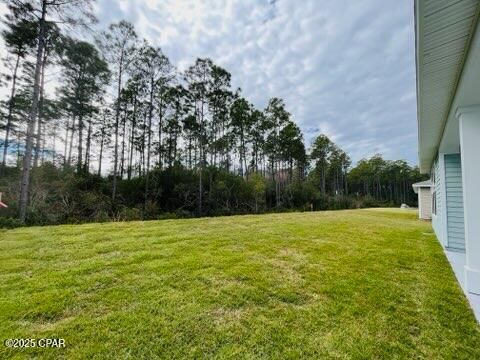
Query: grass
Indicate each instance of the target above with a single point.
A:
(357, 284)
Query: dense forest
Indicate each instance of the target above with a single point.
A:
(102, 126)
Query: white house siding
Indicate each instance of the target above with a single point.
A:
(469, 118)
(448, 98)
(437, 179)
(454, 192)
(425, 203)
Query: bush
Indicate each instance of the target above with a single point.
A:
(128, 214)
(366, 202)
(151, 210)
(9, 223)
(342, 202)
(167, 216)
(101, 216)
(60, 196)
(181, 213)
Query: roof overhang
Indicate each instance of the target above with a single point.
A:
(444, 31)
(426, 183)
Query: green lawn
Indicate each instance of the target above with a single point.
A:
(345, 284)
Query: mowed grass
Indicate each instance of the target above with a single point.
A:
(357, 284)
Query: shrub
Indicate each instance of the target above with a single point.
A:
(342, 202)
(167, 216)
(182, 213)
(128, 214)
(9, 223)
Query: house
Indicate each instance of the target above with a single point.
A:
(448, 102)
(423, 189)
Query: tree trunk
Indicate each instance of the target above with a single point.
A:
(175, 140)
(42, 150)
(202, 154)
(323, 180)
(149, 143)
(243, 157)
(346, 183)
(190, 152)
(54, 148)
(100, 158)
(87, 150)
(122, 159)
(80, 144)
(142, 154)
(40, 112)
(117, 120)
(27, 159)
(69, 161)
(66, 143)
(132, 137)
(11, 105)
(277, 185)
(160, 121)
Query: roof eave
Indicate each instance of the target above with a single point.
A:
(425, 155)
(417, 20)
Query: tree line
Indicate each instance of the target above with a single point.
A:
(125, 134)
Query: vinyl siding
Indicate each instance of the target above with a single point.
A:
(454, 192)
(425, 203)
(437, 187)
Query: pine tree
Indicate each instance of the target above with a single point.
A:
(84, 76)
(19, 37)
(68, 12)
(118, 48)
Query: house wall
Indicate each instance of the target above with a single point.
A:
(454, 206)
(437, 193)
(469, 119)
(448, 222)
(425, 203)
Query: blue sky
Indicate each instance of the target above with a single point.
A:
(344, 68)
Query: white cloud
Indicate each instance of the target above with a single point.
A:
(343, 67)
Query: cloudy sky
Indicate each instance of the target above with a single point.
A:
(344, 68)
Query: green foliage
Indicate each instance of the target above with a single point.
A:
(61, 196)
(9, 223)
(258, 187)
(128, 214)
(385, 180)
(331, 166)
(170, 144)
